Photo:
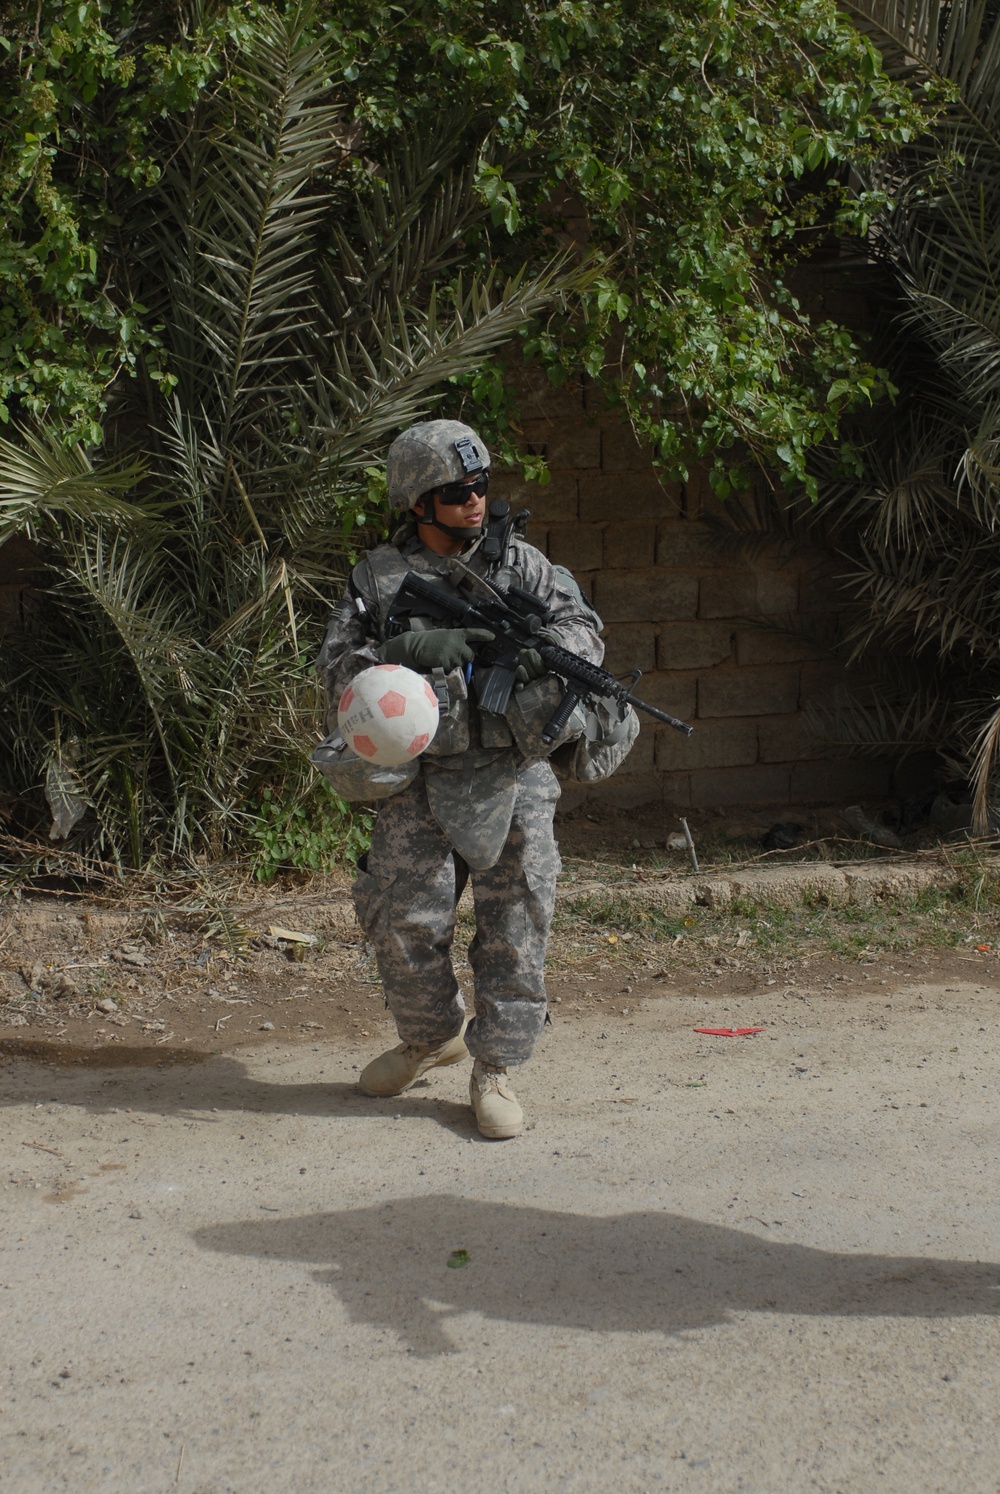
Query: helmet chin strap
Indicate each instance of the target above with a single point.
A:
(451, 530)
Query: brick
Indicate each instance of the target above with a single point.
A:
(626, 793)
(645, 596)
(713, 744)
(573, 444)
(630, 646)
(787, 739)
(840, 780)
(822, 680)
(695, 485)
(728, 594)
(555, 502)
(676, 789)
(756, 784)
(694, 645)
(620, 451)
(570, 442)
(538, 535)
(823, 592)
(675, 693)
(539, 399)
(630, 495)
(682, 543)
(708, 505)
(576, 546)
(768, 646)
(767, 690)
(630, 546)
(777, 592)
(827, 626)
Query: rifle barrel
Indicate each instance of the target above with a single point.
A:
(642, 705)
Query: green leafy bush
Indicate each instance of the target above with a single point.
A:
(245, 245)
(315, 834)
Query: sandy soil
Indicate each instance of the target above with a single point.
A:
(113, 981)
(761, 1263)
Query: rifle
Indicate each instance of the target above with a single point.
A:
(516, 618)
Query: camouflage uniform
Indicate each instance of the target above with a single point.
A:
(478, 809)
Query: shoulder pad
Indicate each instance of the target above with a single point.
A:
(570, 584)
(359, 582)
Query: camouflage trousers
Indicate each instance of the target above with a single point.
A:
(406, 898)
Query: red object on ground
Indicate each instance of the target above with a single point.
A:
(729, 1031)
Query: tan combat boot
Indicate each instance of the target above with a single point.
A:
(498, 1115)
(392, 1072)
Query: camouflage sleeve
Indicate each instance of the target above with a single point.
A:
(575, 625)
(350, 645)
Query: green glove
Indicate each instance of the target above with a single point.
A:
(530, 666)
(434, 648)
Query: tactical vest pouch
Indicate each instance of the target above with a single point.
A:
(604, 745)
(494, 733)
(530, 710)
(452, 735)
(353, 777)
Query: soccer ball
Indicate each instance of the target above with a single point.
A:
(388, 714)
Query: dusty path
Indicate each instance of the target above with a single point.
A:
(769, 1263)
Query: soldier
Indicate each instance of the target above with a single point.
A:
(481, 805)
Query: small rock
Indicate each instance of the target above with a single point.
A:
(783, 836)
(267, 1027)
(107, 1005)
(133, 958)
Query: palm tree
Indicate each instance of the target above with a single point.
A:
(927, 570)
(309, 308)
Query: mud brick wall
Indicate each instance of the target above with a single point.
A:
(703, 624)
(698, 621)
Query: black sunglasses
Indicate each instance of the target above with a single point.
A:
(460, 492)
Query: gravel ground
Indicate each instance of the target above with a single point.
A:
(762, 1263)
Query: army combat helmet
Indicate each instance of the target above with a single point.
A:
(429, 456)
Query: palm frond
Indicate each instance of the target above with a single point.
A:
(238, 213)
(40, 476)
(984, 756)
(946, 604)
(880, 725)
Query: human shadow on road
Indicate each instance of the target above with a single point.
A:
(195, 1089)
(622, 1273)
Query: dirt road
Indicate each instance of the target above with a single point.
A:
(765, 1263)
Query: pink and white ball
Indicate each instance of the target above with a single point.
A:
(388, 714)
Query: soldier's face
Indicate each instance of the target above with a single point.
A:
(467, 515)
